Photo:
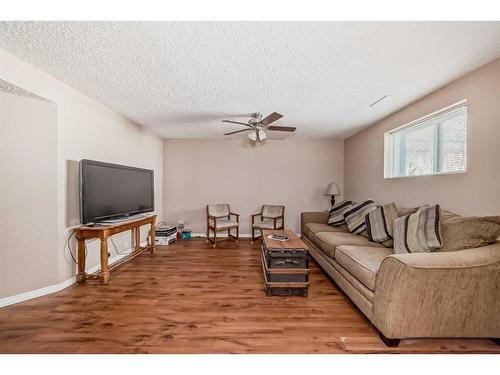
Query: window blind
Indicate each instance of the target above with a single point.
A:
(436, 144)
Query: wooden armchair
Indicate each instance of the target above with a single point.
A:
(219, 219)
(271, 217)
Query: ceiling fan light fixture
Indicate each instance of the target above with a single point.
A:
(253, 135)
(257, 126)
(262, 134)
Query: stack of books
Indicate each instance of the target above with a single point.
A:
(165, 235)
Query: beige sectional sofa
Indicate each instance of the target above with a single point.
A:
(439, 294)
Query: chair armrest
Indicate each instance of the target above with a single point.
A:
(275, 221)
(254, 215)
(234, 214)
(214, 218)
(450, 294)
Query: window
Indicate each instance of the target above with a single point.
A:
(434, 144)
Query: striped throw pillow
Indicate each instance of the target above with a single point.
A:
(336, 217)
(380, 222)
(418, 232)
(355, 216)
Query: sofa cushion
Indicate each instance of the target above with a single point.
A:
(460, 233)
(310, 229)
(328, 241)
(363, 262)
(418, 232)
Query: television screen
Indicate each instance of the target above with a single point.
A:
(112, 190)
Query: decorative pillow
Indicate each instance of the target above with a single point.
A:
(379, 224)
(403, 211)
(418, 232)
(336, 217)
(355, 216)
(460, 233)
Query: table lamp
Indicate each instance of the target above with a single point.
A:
(332, 190)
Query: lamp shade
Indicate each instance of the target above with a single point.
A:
(332, 189)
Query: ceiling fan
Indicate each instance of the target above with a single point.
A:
(258, 126)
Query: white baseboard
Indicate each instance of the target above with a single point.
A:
(57, 287)
(35, 293)
(220, 235)
(242, 235)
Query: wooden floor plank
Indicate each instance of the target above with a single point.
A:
(191, 298)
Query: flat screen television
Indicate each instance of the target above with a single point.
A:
(110, 191)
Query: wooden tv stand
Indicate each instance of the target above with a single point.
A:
(102, 232)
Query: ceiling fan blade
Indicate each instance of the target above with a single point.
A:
(236, 122)
(282, 128)
(271, 118)
(237, 131)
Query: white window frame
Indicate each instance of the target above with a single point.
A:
(389, 142)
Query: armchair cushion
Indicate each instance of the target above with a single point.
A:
(272, 211)
(222, 223)
(218, 210)
(265, 224)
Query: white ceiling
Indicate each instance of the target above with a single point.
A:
(181, 78)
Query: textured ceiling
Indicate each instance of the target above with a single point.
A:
(181, 78)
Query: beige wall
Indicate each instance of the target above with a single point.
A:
(85, 129)
(294, 172)
(28, 194)
(475, 192)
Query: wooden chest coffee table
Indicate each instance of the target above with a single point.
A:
(285, 264)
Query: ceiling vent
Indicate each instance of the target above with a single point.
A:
(378, 101)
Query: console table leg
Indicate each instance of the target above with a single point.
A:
(104, 273)
(152, 235)
(81, 276)
(137, 235)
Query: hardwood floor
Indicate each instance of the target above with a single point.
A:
(191, 298)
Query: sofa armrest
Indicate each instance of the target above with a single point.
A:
(451, 294)
(313, 217)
